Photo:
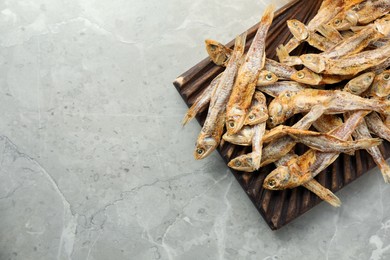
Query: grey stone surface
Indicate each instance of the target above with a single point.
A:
(94, 161)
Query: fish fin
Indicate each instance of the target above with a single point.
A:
(191, 113)
(322, 192)
(268, 14)
(369, 142)
(275, 133)
(330, 33)
(187, 118)
(282, 53)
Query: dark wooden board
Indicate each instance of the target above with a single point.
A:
(277, 207)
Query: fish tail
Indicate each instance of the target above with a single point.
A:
(268, 14)
(239, 43)
(322, 192)
(187, 118)
(367, 143)
(364, 144)
(191, 113)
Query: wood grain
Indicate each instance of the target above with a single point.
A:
(277, 207)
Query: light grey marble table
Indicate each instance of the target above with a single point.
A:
(95, 163)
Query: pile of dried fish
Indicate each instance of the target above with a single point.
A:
(343, 92)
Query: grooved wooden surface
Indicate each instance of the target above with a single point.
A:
(277, 207)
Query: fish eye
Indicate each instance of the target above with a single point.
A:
(231, 124)
(268, 76)
(251, 117)
(386, 76)
(300, 75)
(199, 151)
(272, 183)
(288, 94)
(295, 24)
(237, 163)
(337, 21)
(213, 47)
(308, 57)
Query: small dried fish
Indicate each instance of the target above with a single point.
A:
(251, 162)
(245, 83)
(334, 101)
(212, 129)
(377, 127)
(361, 132)
(304, 168)
(258, 112)
(328, 143)
(348, 65)
(202, 101)
(312, 185)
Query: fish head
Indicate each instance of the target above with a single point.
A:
(298, 29)
(279, 109)
(266, 78)
(367, 78)
(278, 179)
(383, 25)
(243, 163)
(307, 77)
(381, 86)
(235, 120)
(314, 62)
(256, 116)
(204, 146)
(361, 83)
(243, 137)
(218, 53)
(258, 112)
(344, 21)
